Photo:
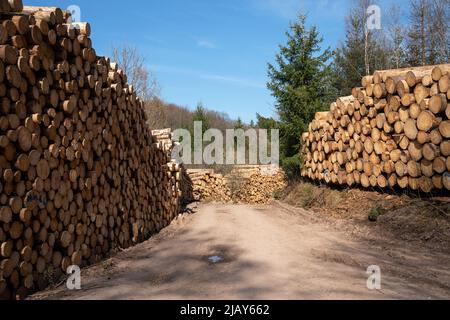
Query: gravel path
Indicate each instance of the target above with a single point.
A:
(270, 252)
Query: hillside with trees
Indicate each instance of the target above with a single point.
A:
(306, 77)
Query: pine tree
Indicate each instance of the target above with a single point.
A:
(200, 115)
(266, 123)
(301, 83)
(239, 124)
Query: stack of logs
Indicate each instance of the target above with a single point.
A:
(393, 131)
(164, 139)
(7, 6)
(180, 180)
(80, 173)
(245, 184)
(209, 187)
(262, 186)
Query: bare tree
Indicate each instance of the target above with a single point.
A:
(357, 23)
(364, 50)
(439, 32)
(447, 12)
(428, 36)
(364, 4)
(374, 41)
(156, 114)
(417, 38)
(396, 36)
(133, 63)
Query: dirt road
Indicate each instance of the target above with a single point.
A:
(272, 252)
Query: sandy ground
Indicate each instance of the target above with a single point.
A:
(271, 252)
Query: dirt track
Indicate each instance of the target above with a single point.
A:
(272, 252)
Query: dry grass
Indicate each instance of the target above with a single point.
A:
(408, 217)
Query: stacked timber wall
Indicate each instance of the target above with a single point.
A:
(80, 173)
(244, 184)
(179, 178)
(392, 132)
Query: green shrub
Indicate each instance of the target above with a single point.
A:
(374, 214)
(278, 195)
(292, 167)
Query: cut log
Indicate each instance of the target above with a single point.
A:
(421, 92)
(438, 103)
(444, 84)
(410, 129)
(427, 121)
(430, 151)
(439, 71)
(444, 129)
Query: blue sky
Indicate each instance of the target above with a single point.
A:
(213, 51)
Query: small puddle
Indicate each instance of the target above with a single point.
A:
(215, 259)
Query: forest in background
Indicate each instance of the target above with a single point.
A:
(306, 77)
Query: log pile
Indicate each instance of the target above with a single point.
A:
(7, 6)
(245, 184)
(261, 187)
(250, 184)
(207, 186)
(164, 139)
(80, 173)
(186, 188)
(392, 132)
(180, 180)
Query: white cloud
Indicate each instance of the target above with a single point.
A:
(206, 44)
(242, 82)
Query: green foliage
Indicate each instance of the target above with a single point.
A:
(201, 115)
(374, 214)
(239, 124)
(279, 194)
(302, 84)
(292, 166)
(266, 123)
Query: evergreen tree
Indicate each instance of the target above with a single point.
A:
(266, 123)
(301, 82)
(200, 114)
(239, 124)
